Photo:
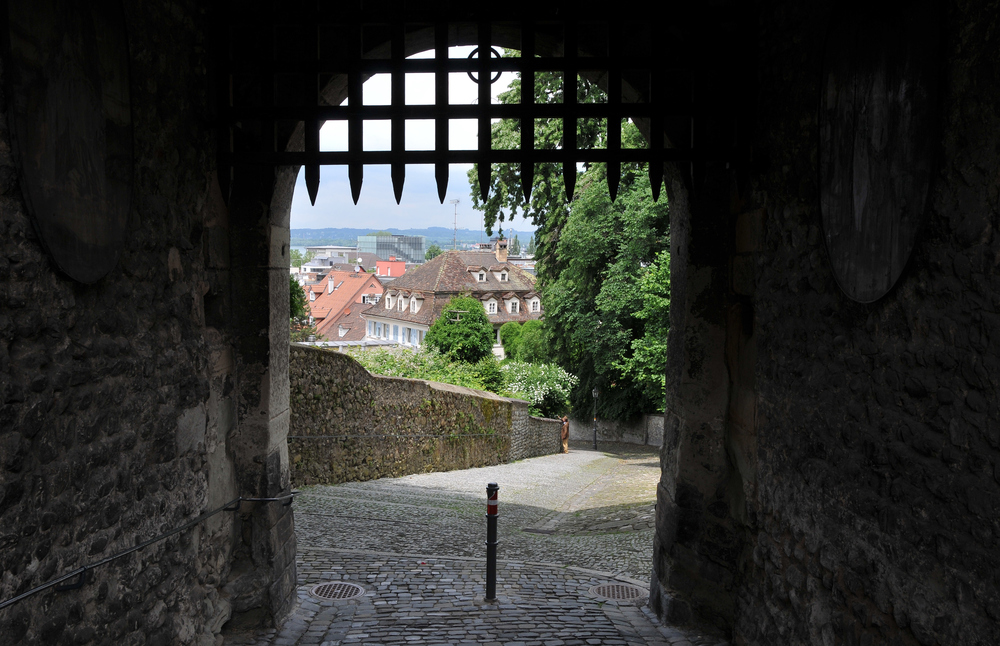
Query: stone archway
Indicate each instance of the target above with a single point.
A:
(698, 383)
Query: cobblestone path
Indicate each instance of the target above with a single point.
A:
(415, 545)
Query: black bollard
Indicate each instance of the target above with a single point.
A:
(491, 540)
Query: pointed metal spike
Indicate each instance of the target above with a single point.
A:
(398, 177)
(312, 182)
(569, 177)
(485, 176)
(441, 177)
(356, 174)
(527, 179)
(655, 179)
(614, 178)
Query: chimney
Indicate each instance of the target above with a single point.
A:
(501, 250)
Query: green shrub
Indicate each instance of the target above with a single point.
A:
(425, 363)
(462, 331)
(510, 337)
(489, 374)
(533, 346)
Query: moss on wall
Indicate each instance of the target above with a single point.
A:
(347, 424)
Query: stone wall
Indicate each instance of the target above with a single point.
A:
(647, 430)
(874, 501)
(542, 436)
(347, 424)
(116, 399)
(832, 469)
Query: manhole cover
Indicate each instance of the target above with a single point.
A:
(617, 591)
(337, 591)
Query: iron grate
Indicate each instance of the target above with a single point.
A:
(337, 591)
(617, 591)
(284, 69)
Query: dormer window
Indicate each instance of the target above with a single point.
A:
(503, 277)
(482, 276)
(312, 295)
(414, 306)
(534, 305)
(388, 302)
(402, 304)
(514, 307)
(491, 307)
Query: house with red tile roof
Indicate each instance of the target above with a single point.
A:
(413, 302)
(335, 304)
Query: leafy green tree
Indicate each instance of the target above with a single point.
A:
(530, 250)
(592, 258)
(462, 331)
(302, 333)
(515, 246)
(533, 346)
(296, 258)
(432, 252)
(298, 307)
(510, 337)
(596, 307)
(648, 363)
(548, 206)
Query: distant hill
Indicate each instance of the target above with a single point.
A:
(441, 236)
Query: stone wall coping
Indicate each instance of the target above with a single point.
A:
(434, 385)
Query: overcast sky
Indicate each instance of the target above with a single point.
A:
(419, 207)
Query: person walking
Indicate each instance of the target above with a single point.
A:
(565, 434)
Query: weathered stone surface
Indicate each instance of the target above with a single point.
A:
(861, 439)
(116, 399)
(347, 424)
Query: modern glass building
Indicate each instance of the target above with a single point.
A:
(408, 248)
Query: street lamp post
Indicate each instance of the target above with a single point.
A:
(595, 392)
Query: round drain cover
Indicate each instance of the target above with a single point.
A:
(617, 591)
(337, 591)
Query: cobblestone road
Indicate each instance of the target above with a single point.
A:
(415, 545)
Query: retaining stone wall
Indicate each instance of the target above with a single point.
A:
(347, 424)
(647, 430)
(541, 437)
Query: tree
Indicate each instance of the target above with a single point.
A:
(530, 250)
(592, 256)
(533, 346)
(297, 259)
(648, 363)
(510, 337)
(298, 307)
(462, 331)
(614, 263)
(515, 246)
(433, 252)
(548, 206)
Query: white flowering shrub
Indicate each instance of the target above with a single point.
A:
(545, 386)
